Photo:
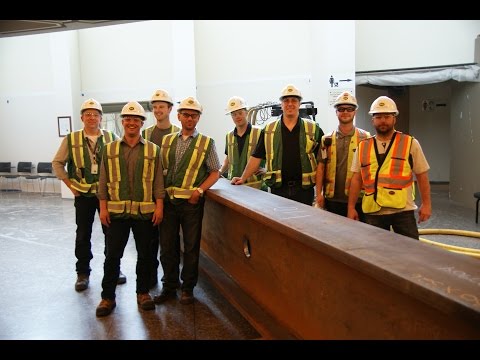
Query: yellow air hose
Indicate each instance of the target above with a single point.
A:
(457, 249)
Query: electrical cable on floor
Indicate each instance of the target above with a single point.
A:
(456, 249)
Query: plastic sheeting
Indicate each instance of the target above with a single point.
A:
(420, 76)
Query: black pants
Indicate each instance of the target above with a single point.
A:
(402, 223)
(85, 210)
(293, 190)
(117, 238)
(341, 208)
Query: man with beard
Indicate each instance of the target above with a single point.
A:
(384, 166)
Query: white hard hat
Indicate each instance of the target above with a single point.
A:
(161, 95)
(235, 103)
(133, 108)
(383, 104)
(190, 103)
(291, 90)
(346, 98)
(91, 104)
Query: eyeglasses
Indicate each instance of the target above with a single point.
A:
(187, 115)
(347, 109)
(91, 114)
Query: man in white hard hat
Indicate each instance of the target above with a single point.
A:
(162, 105)
(383, 166)
(291, 166)
(185, 183)
(240, 143)
(131, 196)
(335, 159)
(81, 152)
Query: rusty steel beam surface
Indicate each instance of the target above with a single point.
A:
(300, 272)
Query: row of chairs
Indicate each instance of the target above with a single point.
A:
(25, 170)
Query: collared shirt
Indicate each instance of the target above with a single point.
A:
(62, 157)
(212, 161)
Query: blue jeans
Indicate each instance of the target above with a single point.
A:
(85, 210)
(117, 238)
(402, 223)
(189, 217)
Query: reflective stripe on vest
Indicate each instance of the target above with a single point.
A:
(118, 184)
(273, 141)
(78, 156)
(196, 160)
(331, 166)
(386, 186)
(237, 162)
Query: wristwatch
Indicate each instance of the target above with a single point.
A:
(200, 190)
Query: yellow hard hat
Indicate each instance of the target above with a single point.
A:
(290, 90)
(235, 103)
(190, 103)
(133, 108)
(91, 104)
(345, 98)
(161, 95)
(383, 104)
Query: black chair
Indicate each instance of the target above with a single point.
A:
(476, 196)
(25, 170)
(45, 172)
(6, 173)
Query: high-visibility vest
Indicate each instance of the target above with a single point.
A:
(309, 135)
(191, 171)
(147, 132)
(138, 203)
(79, 168)
(331, 165)
(386, 186)
(237, 161)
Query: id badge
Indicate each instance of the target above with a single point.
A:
(94, 169)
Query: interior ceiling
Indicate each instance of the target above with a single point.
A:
(29, 27)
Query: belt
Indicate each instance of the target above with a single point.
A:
(292, 183)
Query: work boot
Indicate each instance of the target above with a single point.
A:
(105, 307)
(145, 301)
(187, 297)
(82, 282)
(122, 279)
(165, 295)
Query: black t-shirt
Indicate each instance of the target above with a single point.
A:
(291, 163)
(240, 139)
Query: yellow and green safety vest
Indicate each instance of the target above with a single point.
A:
(123, 202)
(80, 165)
(190, 172)
(331, 165)
(309, 137)
(237, 162)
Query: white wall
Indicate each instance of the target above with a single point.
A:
(402, 44)
(255, 59)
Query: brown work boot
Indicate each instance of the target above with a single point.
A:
(145, 301)
(187, 297)
(164, 296)
(105, 307)
(82, 282)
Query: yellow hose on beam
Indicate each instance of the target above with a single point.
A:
(452, 248)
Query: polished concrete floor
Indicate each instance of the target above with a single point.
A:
(37, 275)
